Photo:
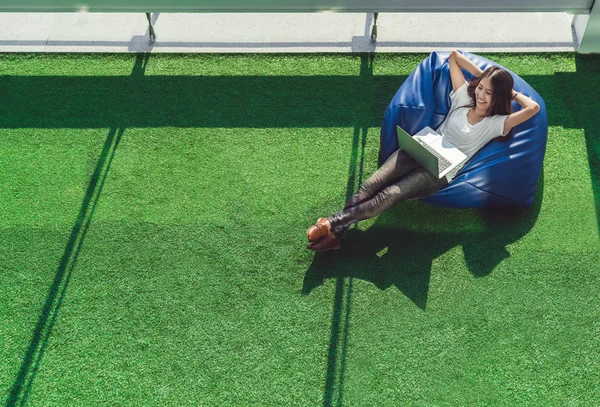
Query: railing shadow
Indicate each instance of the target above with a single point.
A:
(90, 102)
(195, 101)
(20, 390)
(37, 346)
(572, 104)
(579, 109)
(397, 250)
(340, 319)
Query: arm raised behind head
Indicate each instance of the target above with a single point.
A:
(458, 61)
(530, 108)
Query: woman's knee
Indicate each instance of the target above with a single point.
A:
(419, 184)
(384, 200)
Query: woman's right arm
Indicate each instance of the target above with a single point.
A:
(458, 61)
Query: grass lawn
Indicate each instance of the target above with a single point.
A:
(153, 212)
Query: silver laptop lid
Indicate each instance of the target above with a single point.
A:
(418, 152)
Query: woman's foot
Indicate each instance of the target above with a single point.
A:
(328, 242)
(319, 230)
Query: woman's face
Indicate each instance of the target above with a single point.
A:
(483, 94)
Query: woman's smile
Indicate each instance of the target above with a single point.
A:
(483, 93)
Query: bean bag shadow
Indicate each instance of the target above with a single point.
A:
(502, 173)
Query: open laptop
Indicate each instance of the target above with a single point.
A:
(429, 149)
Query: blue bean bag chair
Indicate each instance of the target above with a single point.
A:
(503, 173)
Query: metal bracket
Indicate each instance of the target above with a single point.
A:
(374, 28)
(151, 32)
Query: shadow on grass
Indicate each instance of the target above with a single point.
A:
(30, 365)
(399, 249)
(118, 102)
(580, 97)
(195, 101)
(20, 390)
(572, 102)
(340, 318)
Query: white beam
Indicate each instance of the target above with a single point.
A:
(588, 34)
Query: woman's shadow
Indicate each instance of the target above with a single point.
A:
(399, 248)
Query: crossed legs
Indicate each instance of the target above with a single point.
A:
(400, 178)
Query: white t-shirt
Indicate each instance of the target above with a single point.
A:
(468, 138)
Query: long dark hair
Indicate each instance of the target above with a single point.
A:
(502, 83)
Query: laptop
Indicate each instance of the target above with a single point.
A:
(431, 150)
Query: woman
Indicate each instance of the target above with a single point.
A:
(480, 111)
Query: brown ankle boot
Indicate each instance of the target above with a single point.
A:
(329, 242)
(318, 230)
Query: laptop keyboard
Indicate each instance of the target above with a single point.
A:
(442, 162)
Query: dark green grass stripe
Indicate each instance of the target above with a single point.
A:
(195, 101)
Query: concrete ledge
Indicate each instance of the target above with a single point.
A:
(286, 32)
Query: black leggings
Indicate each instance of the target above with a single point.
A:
(400, 178)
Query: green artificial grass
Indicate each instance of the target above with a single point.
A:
(152, 242)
